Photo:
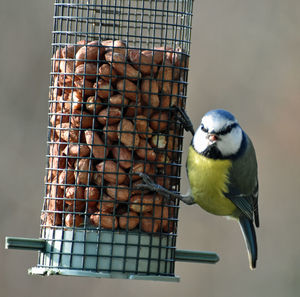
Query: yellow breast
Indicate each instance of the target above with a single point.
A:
(208, 180)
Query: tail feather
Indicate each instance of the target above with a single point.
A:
(250, 239)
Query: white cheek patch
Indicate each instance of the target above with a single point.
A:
(230, 143)
(200, 141)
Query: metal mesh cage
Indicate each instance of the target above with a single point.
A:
(118, 69)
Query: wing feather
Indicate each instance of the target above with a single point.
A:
(243, 183)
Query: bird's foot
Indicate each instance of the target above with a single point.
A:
(150, 185)
(184, 119)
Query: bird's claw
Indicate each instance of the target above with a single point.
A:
(148, 184)
(151, 186)
(184, 119)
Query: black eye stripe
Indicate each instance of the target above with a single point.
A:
(227, 129)
(221, 132)
(204, 129)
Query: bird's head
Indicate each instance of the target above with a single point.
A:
(219, 135)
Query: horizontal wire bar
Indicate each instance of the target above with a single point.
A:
(116, 7)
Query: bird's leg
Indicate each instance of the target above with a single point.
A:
(150, 185)
(184, 119)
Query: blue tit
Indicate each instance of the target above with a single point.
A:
(222, 173)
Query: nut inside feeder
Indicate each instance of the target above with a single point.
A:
(118, 71)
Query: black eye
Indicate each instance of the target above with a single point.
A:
(203, 128)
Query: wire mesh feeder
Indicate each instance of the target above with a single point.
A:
(118, 69)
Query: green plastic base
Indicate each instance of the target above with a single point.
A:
(68, 272)
(107, 251)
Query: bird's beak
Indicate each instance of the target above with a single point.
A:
(213, 137)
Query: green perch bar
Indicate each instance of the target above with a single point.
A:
(180, 255)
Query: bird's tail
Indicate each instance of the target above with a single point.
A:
(250, 239)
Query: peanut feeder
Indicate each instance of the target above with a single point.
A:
(118, 70)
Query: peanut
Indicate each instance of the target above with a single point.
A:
(170, 219)
(108, 73)
(155, 55)
(66, 177)
(106, 204)
(180, 58)
(67, 134)
(97, 179)
(159, 121)
(81, 119)
(129, 89)
(119, 63)
(91, 195)
(102, 88)
(134, 109)
(164, 77)
(142, 204)
(67, 66)
(173, 145)
(127, 134)
(143, 127)
(86, 70)
(141, 167)
(72, 220)
(109, 115)
(172, 99)
(167, 53)
(142, 61)
(123, 156)
(149, 91)
(118, 99)
(119, 192)
(76, 150)
(80, 43)
(92, 51)
(145, 151)
(111, 172)
(111, 132)
(75, 198)
(158, 141)
(75, 100)
(57, 119)
(91, 210)
(161, 214)
(84, 87)
(148, 223)
(52, 219)
(56, 192)
(82, 171)
(55, 164)
(93, 104)
(170, 169)
(58, 161)
(104, 220)
(148, 112)
(161, 160)
(96, 144)
(129, 220)
(117, 46)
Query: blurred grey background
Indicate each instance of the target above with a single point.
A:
(246, 58)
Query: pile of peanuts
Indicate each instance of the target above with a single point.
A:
(110, 118)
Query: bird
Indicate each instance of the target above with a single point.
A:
(222, 173)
